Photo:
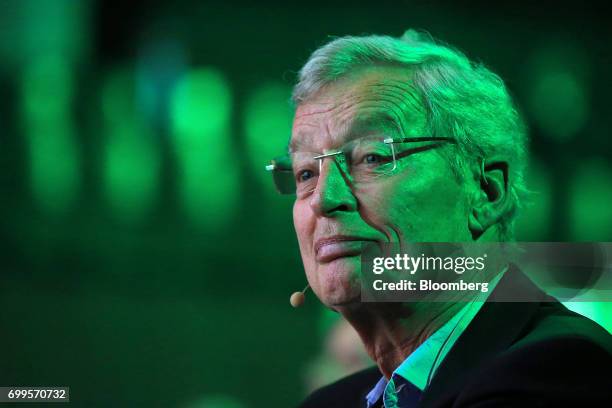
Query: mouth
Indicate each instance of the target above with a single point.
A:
(339, 246)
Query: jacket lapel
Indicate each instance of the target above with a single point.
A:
(493, 330)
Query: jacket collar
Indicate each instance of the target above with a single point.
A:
(494, 329)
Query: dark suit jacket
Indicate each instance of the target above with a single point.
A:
(528, 354)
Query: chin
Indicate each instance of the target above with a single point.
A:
(345, 303)
(339, 283)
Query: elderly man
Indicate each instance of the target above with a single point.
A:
(406, 140)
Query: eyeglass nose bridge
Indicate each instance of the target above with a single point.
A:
(339, 158)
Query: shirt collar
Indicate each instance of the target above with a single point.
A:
(376, 392)
(416, 368)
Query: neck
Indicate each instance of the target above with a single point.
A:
(392, 331)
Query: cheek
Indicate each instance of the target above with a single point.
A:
(437, 210)
(416, 209)
(303, 221)
(384, 207)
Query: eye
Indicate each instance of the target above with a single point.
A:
(372, 159)
(304, 175)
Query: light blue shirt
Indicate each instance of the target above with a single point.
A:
(420, 366)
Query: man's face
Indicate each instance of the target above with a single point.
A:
(422, 201)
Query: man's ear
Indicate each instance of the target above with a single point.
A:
(490, 202)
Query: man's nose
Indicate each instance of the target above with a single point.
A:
(334, 191)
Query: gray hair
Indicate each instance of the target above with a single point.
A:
(463, 100)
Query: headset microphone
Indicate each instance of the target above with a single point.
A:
(297, 298)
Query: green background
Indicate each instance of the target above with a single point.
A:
(146, 259)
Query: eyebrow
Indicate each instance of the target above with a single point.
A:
(298, 143)
(389, 122)
(358, 127)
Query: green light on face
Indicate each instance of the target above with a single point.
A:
(207, 166)
(268, 117)
(590, 197)
(131, 160)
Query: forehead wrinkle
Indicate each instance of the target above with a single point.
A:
(359, 99)
(300, 140)
(397, 97)
(300, 136)
(401, 97)
(391, 110)
(352, 118)
(395, 112)
(405, 94)
(341, 110)
(372, 114)
(400, 114)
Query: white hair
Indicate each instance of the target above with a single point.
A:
(463, 100)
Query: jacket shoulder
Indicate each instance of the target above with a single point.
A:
(570, 371)
(562, 360)
(555, 322)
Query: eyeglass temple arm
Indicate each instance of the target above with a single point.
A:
(328, 154)
(418, 139)
(433, 139)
